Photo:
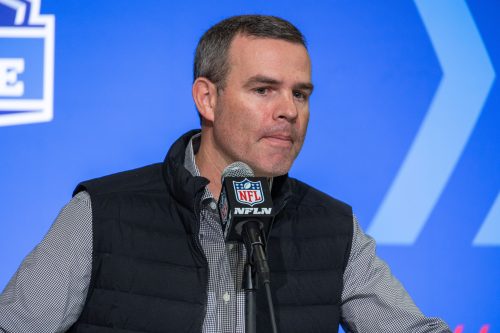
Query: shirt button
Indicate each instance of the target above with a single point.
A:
(213, 205)
(226, 297)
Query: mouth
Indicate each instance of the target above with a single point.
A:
(281, 140)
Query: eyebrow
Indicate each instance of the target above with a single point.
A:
(268, 80)
(304, 86)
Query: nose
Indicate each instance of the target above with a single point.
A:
(286, 108)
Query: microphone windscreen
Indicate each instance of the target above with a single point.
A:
(237, 169)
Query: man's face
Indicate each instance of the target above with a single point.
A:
(261, 115)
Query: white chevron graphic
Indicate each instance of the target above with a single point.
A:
(467, 78)
(489, 234)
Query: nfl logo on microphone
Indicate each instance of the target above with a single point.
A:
(248, 192)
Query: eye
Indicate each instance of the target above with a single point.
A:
(300, 95)
(261, 90)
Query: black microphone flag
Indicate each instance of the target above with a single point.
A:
(244, 198)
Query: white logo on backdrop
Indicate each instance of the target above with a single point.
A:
(26, 63)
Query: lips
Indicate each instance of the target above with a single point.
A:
(282, 137)
(282, 140)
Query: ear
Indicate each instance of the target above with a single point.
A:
(205, 97)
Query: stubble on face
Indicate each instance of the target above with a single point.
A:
(269, 150)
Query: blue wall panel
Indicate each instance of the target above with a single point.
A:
(122, 94)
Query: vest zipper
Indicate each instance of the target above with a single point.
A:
(196, 209)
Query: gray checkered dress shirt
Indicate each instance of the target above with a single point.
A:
(48, 291)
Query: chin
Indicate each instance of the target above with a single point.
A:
(275, 170)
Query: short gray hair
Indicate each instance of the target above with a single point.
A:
(210, 60)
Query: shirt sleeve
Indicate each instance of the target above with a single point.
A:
(48, 291)
(373, 300)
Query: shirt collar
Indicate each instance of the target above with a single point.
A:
(190, 162)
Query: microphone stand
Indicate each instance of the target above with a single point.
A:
(256, 256)
(250, 298)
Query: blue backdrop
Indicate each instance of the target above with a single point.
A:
(404, 123)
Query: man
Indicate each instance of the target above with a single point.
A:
(143, 250)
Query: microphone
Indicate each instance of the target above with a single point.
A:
(246, 210)
(243, 199)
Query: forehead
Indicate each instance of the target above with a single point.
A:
(249, 56)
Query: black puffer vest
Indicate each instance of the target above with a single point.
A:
(149, 273)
